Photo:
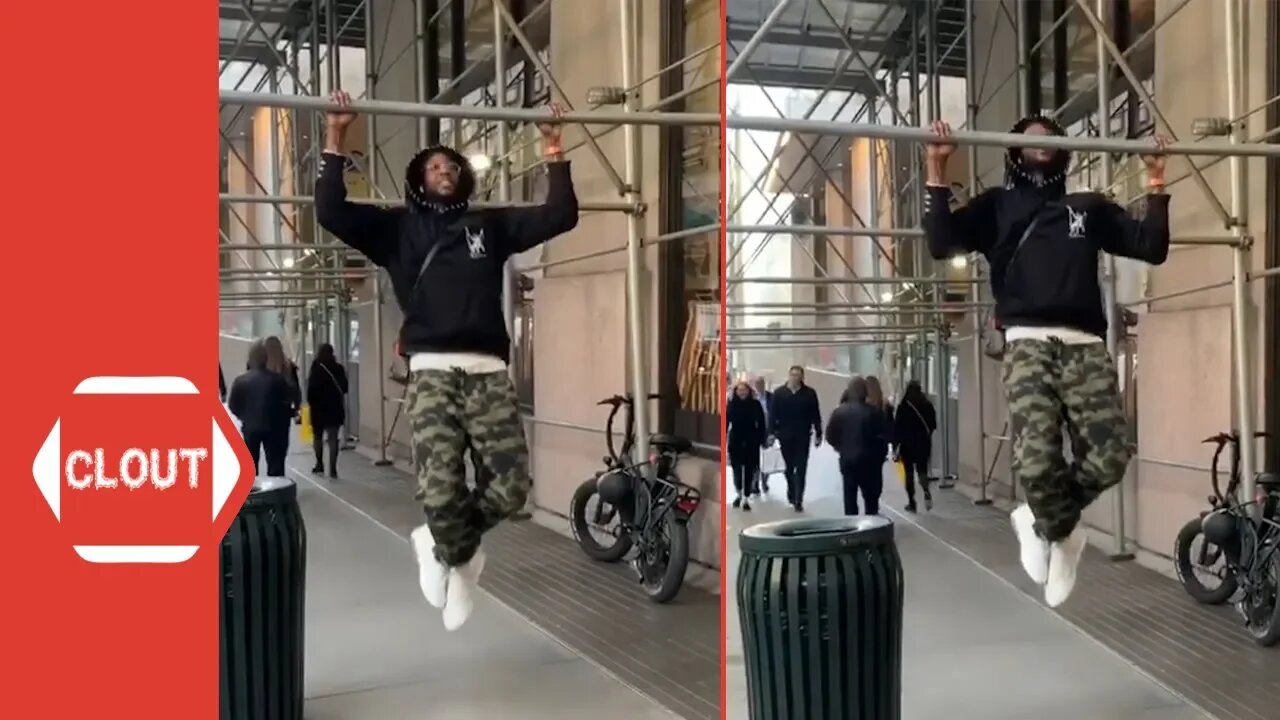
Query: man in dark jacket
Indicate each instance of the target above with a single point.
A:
(263, 403)
(859, 432)
(445, 263)
(1043, 245)
(794, 420)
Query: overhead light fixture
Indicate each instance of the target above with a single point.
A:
(480, 163)
(959, 262)
(288, 262)
(886, 296)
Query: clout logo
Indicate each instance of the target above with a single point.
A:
(133, 468)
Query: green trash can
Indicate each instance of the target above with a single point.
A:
(820, 606)
(263, 565)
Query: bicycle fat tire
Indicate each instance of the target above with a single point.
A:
(578, 509)
(677, 562)
(1267, 633)
(1185, 566)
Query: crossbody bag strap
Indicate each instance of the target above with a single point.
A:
(329, 372)
(927, 431)
(426, 263)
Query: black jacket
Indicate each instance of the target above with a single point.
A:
(263, 402)
(1053, 279)
(795, 414)
(744, 422)
(455, 303)
(859, 433)
(222, 385)
(326, 395)
(913, 428)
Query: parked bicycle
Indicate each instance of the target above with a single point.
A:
(1239, 547)
(640, 514)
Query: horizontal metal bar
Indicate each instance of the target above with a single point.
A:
(1000, 438)
(1269, 272)
(841, 342)
(850, 281)
(1174, 464)
(567, 425)
(825, 230)
(734, 332)
(645, 242)
(1224, 240)
(738, 310)
(994, 139)
(466, 112)
(284, 246)
(1177, 294)
(840, 306)
(282, 295)
(273, 276)
(248, 199)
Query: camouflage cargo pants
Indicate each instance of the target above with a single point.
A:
(450, 412)
(1051, 385)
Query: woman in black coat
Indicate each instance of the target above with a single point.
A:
(744, 420)
(326, 396)
(913, 427)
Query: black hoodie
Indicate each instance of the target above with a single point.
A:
(455, 303)
(1052, 279)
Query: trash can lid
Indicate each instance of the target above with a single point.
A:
(815, 535)
(272, 491)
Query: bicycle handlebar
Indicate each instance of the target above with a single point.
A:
(1224, 438)
(619, 400)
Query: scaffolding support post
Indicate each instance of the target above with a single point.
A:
(1106, 175)
(1240, 305)
(419, 62)
(971, 122)
(1020, 30)
(501, 163)
(371, 170)
(635, 258)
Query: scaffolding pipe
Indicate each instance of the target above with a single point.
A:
(639, 347)
(249, 199)
(848, 281)
(1107, 45)
(971, 122)
(657, 239)
(379, 296)
(1177, 293)
(912, 233)
(1240, 305)
(503, 164)
(1105, 170)
(761, 33)
(419, 69)
(992, 139)
(470, 112)
(843, 306)
(816, 331)
(802, 344)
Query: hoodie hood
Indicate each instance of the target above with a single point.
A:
(420, 199)
(1051, 177)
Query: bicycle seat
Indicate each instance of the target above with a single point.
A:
(1269, 481)
(674, 443)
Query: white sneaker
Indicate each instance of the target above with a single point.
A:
(463, 582)
(1035, 550)
(433, 576)
(1064, 558)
